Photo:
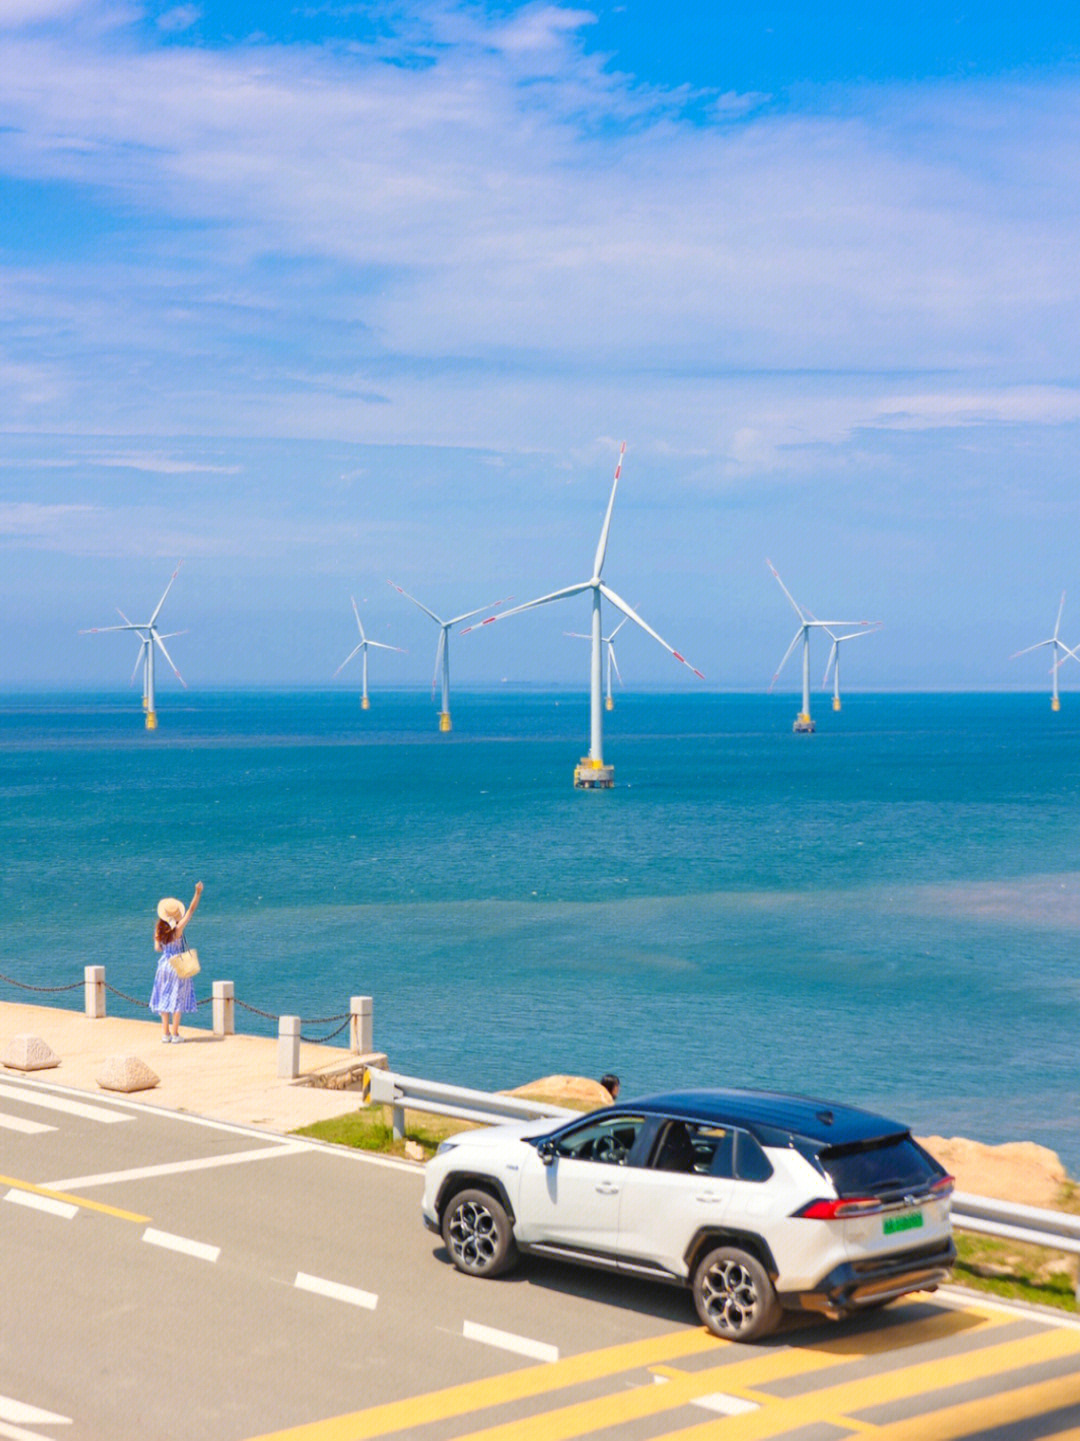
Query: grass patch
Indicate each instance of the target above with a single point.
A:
(370, 1129)
(1019, 1272)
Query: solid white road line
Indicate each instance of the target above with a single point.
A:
(165, 1239)
(57, 1103)
(335, 1290)
(19, 1123)
(43, 1203)
(725, 1405)
(507, 1341)
(175, 1168)
(32, 1415)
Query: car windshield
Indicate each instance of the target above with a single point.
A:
(891, 1164)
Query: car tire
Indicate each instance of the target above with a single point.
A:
(734, 1297)
(478, 1234)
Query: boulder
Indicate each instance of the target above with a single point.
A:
(576, 1093)
(1018, 1171)
(29, 1053)
(126, 1073)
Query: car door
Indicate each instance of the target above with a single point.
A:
(571, 1187)
(687, 1184)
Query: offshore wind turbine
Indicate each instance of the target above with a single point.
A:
(834, 660)
(591, 773)
(804, 724)
(612, 663)
(150, 637)
(1058, 646)
(442, 650)
(365, 704)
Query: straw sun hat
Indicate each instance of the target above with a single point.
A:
(171, 911)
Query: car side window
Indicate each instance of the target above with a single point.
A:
(751, 1162)
(694, 1148)
(608, 1141)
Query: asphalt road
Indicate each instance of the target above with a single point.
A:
(169, 1278)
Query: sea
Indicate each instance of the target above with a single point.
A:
(886, 912)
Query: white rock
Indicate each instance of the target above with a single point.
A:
(29, 1053)
(126, 1073)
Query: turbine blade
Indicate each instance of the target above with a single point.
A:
(478, 611)
(784, 588)
(381, 645)
(440, 652)
(105, 629)
(794, 642)
(601, 549)
(1029, 648)
(168, 657)
(359, 623)
(348, 658)
(631, 614)
(529, 604)
(614, 662)
(420, 604)
(161, 602)
(138, 662)
(1061, 607)
(829, 662)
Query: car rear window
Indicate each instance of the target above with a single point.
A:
(880, 1167)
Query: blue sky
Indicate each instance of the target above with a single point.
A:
(322, 295)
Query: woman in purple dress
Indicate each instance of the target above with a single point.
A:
(172, 995)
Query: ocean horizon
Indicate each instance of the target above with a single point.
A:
(886, 912)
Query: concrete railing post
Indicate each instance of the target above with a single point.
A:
(288, 1047)
(94, 977)
(361, 1026)
(224, 1009)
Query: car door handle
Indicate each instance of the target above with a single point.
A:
(709, 1196)
(605, 1188)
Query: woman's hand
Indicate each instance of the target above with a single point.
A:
(198, 888)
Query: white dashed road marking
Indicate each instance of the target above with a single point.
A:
(176, 1168)
(169, 1242)
(725, 1405)
(43, 1203)
(28, 1128)
(335, 1290)
(58, 1103)
(14, 1415)
(507, 1341)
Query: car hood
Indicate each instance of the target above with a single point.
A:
(508, 1131)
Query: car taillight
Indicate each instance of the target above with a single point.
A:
(944, 1187)
(838, 1210)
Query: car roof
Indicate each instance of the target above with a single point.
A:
(765, 1113)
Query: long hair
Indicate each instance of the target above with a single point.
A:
(164, 933)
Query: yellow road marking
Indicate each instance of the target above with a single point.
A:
(835, 1403)
(975, 1418)
(71, 1200)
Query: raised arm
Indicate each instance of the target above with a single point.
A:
(192, 908)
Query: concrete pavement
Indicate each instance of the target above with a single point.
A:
(230, 1078)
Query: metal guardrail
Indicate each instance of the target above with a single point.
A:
(409, 1092)
(1056, 1230)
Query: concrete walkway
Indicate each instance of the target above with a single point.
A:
(230, 1078)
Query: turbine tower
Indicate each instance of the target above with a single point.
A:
(442, 650)
(804, 724)
(1059, 646)
(365, 704)
(834, 660)
(612, 663)
(591, 773)
(150, 637)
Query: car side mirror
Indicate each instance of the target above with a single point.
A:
(546, 1152)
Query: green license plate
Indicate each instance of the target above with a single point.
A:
(911, 1222)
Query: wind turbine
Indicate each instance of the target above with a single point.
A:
(612, 663)
(803, 723)
(442, 651)
(148, 634)
(365, 704)
(834, 660)
(591, 773)
(1058, 645)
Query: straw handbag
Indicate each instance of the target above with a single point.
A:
(186, 964)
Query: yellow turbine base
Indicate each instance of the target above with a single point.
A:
(151, 720)
(609, 704)
(593, 775)
(444, 720)
(836, 702)
(365, 704)
(1055, 704)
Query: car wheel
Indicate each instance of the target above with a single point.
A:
(734, 1296)
(478, 1235)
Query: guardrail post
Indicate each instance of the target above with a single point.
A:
(361, 1026)
(397, 1120)
(288, 1053)
(94, 977)
(224, 1009)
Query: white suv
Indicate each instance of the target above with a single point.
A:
(760, 1202)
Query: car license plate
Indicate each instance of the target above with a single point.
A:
(911, 1222)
